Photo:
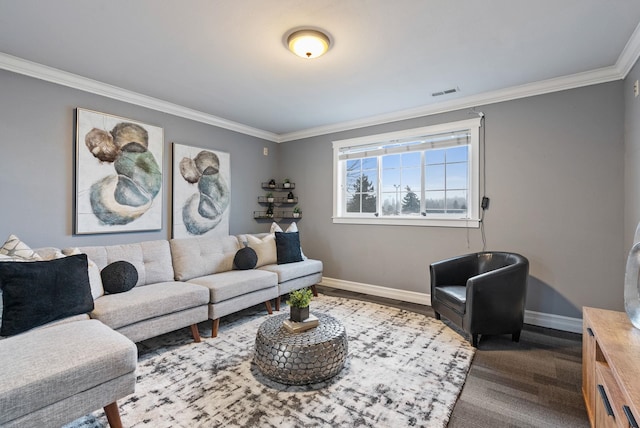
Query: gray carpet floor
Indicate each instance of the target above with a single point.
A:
(534, 383)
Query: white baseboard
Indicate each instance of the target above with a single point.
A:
(541, 319)
(376, 290)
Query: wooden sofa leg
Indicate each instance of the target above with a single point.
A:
(113, 415)
(195, 333)
(474, 340)
(278, 303)
(268, 305)
(313, 289)
(437, 315)
(214, 327)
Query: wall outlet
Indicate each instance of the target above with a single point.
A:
(265, 151)
(636, 88)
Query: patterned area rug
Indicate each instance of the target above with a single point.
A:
(403, 369)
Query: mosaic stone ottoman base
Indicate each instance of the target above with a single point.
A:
(300, 358)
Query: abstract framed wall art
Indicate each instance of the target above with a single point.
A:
(118, 174)
(201, 191)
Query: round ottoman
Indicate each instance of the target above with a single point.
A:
(300, 358)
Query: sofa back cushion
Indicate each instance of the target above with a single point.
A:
(152, 259)
(194, 257)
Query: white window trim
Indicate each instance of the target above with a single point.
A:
(474, 214)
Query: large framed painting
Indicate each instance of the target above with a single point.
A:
(201, 191)
(118, 174)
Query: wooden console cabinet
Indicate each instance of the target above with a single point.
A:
(610, 368)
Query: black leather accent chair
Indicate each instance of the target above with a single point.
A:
(482, 293)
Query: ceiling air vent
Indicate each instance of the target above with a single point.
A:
(445, 92)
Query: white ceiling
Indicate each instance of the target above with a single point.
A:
(226, 59)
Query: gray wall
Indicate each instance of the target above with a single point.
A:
(37, 162)
(631, 157)
(554, 172)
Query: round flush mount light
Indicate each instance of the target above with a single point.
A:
(308, 43)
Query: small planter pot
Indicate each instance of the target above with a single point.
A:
(287, 185)
(296, 215)
(270, 200)
(299, 314)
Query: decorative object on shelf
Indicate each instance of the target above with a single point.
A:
(296, 212)
(269, 197)
(118, 174)
(631, 285)
(298, 302)
(201, 192)
(277, 196)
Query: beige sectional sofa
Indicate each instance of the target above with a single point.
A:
(87, 364)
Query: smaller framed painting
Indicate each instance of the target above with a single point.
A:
(201, 191)
(118, 174)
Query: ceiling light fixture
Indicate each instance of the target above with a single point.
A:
(308, 43)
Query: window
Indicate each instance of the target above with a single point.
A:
(425, 176)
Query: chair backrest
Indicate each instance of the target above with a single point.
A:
(493, 260)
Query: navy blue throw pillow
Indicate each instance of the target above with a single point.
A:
(288, 247)
(36, 293)
(119, 277)
(245, 259)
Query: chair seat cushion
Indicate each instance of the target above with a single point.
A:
(454, 296)
(227, 285)
(147, 302)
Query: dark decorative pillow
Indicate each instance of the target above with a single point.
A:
(246, 258)
(36, 293)
(288, 247)
(119, 277)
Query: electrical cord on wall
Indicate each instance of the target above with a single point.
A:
(485, 200)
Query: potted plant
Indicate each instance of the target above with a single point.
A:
(290, 197)
(296, 212)
(287, 183)
(270, 211)
(270, 197)
(272, 184)
(298, 302)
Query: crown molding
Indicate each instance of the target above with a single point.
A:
(60, 77)
(619, 71)
(627, 59)
(630, 54)
(587, 78)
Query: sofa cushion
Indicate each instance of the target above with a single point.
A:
(288, 247)
(226, 285)
(59, 362)
(143, 303)
(16, 249)
(95, 280)
(119, 277)
(194, 257)
(291, 271)
(245, 259)
(39, 292)
(152, 259)
(292, 228)
(264, 246)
